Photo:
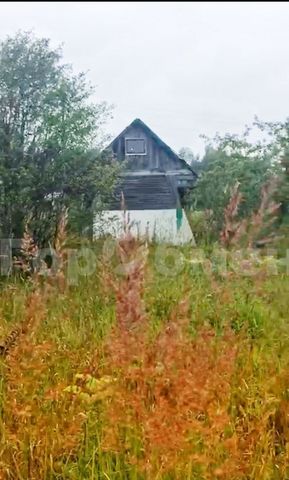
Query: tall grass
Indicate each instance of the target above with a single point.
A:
(132, 374)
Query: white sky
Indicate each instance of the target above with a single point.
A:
(183, 68)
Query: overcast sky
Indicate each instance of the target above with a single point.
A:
(183, 68)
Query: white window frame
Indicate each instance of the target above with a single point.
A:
(134, 154)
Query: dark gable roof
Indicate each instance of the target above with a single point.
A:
(139, 123)
(145, 192)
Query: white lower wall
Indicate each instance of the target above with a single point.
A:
(158, 225)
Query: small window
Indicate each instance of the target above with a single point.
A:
(135, 146)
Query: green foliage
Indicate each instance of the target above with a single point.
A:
(226, 161)
(50, 136)
(80, 398)
(203, 226)
(240, 159)
(230, 158)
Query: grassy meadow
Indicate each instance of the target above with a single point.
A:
(123, 360)
(153, 366)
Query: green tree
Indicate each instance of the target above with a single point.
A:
(50, 140)
(228, 160)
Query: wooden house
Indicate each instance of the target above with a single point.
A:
(153, 184)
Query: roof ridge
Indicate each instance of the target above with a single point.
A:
(156, 137)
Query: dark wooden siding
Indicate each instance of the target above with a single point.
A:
(145, 192)
(156, 158)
